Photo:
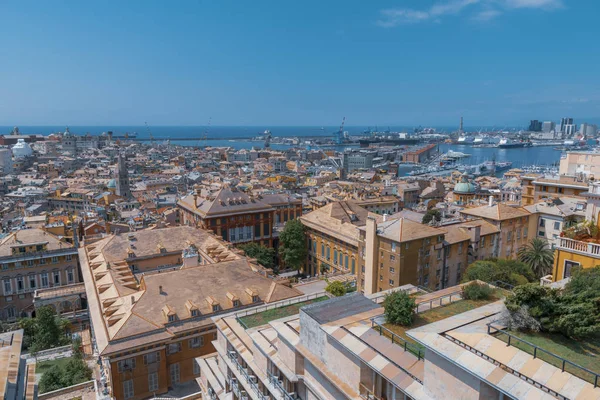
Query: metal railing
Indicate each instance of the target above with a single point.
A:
(283, 303)
(38, 254)
(503, 285)
(457, 296)
(251, 379)
(275, 381)
(396, 339)
(551, 358)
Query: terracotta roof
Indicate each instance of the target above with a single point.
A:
(405, 230)
(225, 201)
(497, 212)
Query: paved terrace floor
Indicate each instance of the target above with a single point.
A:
(470, 329)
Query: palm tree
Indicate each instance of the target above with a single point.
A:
(538, 256)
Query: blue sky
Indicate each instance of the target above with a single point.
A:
(405, 62)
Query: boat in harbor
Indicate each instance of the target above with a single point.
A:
(510, 143)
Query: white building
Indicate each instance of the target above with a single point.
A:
(6, 161)
(22, 149)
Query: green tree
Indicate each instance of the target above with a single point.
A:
(52, 380)
(432, 215)
(292, 244)
(399, 308)
(264, 255)
(336, 288)
(538, 256)
(44, 331)
(512, 272)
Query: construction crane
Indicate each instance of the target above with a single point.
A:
(149, 133)
(203, 141)
(339, 136)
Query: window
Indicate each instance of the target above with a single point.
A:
(380, 278)
(215, 307)
(56, 277)
(196, 367)
(439, 254)
(128, 389)
(255, 299)
(483, 241)
(152, 358)
(11, 313)
(30, 263)
(70, 276)
(392, 257)
(322, 250)
(42, 261)
(20, 283)
(126, 365)
(460, 248)
(393, 247)
(171, 318)
(428, 252)
(525, 232)
(7, 286)
(518, 233)
(32, 282)
(196, 342)
(391, 282)
(568, 268)
(174, 373)
(335, 256)
(328, 252)
(54, 260)
(153, 382)
(194, 313)
(69, 257)
(392, 270)
(556, 226)
(174, 348)
(236, 303)
(407, 245)
(509, 236)
(4, 267)
(44, 279)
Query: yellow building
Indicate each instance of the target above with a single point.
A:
(536, 188)
(571, 254)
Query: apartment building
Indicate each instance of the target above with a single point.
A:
(32, 259)
(381, 205)
(336, 349)
(536, 188)
(576, 163)
(553, 216)
(238, 217)
(151, 295)
(332, 236)
(396, 252)
(513, 223)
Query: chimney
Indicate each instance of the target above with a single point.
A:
(385, 217)
(370, 256)
(491, 201)
(160, 290)
(132, 300)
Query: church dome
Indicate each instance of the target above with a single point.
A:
(112, 184)
(464, 186)
(22, 149)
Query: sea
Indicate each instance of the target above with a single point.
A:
(238, 137)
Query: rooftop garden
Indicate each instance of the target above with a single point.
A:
(562, 322)
(401, 315)
(263, 318)
(586, 231)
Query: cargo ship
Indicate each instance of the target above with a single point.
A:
(510, 144)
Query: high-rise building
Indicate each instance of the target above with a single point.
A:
(569, 130)
(564, 122)
(548, 126)
(122, 178)
(588, 129)
(535, 125)
(460, 129)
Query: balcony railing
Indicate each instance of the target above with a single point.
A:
(251, 379)
(590, 249)
(278, 383)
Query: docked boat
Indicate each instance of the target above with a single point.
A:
(465, 140)
(509, 144)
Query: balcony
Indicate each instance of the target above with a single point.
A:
(577, 246)
(279, 385)
(251, 379)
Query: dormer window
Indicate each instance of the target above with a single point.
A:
(215, 307)
(255, 299)
(171, 318)
(194, 313)
(236, 303)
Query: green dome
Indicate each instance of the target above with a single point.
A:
(112, 184)
(464, 187)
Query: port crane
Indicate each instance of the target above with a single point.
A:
(149, 133)
(339, 135)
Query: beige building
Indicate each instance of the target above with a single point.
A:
(513, 223)
(536, 188)
(585, 163)
(32, 259)
(340, 349)
(332, 234)
(151, 295)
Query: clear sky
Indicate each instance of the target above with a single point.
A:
(404, 62)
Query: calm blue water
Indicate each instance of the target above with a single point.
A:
(519, 156)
